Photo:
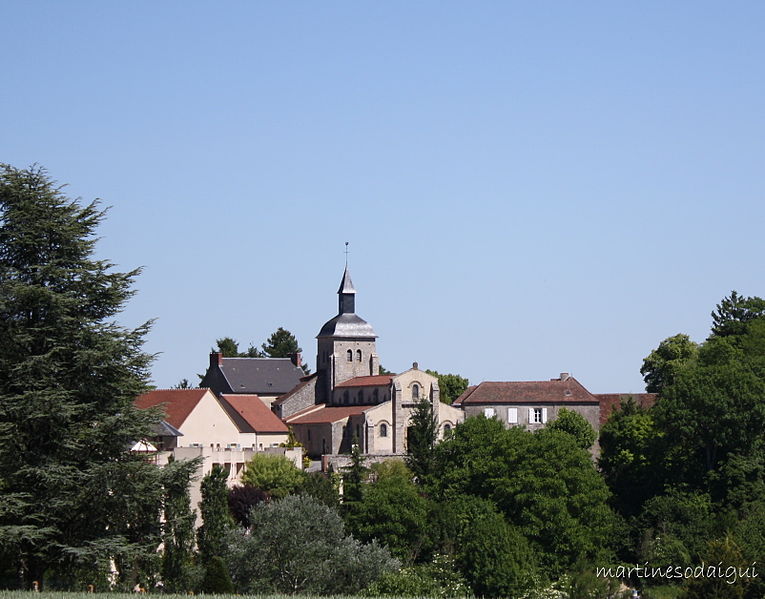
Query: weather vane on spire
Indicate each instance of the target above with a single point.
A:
(346, 253)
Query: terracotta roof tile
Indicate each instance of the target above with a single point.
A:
(250, 414)
(611, 401)
(177, 403)
(554, 391)
(367, 381)
(328, 415)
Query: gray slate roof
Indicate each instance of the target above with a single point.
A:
(346, 285)
(347, 325)
(261, 376)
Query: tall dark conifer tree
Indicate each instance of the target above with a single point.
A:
(72, 495)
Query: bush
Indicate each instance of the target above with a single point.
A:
(299, 545)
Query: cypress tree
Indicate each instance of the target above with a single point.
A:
(216, 519)
(73, 495)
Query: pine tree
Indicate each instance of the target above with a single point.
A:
(68, 377)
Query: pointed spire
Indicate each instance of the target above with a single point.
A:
(346, 285)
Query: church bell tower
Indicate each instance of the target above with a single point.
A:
(346, 345)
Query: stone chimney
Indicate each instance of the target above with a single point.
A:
(297, 359)
(216, 359)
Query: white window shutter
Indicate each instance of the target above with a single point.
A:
(544, 415)
(531, 415)
(512, 415)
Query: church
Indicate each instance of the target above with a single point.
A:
(348, 401)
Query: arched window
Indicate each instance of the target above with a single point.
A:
(415, 391)
(349, 353)
(358, 355)
(447, 427)
(383, 430)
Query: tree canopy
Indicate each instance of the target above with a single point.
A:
(281, 344)
(451, 386)
(68, 377)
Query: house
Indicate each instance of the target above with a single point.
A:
(268, 378)
(347, 398)
(219, 422)
(226, 430)
(534, 403)
(530, 403)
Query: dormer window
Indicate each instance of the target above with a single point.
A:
(415, 391)
(349, 354)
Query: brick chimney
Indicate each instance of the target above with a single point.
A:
(297, 359)
(216, 359)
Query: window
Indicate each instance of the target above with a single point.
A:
(375, 395)
(349, 354)
(537, 415)
(489, 412)
(345, 397)
(361, 396)
(415, 391)
(383, 430)
(447, 427)
(512, 415)
(358, 355)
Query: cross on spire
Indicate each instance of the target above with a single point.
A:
(346, 253)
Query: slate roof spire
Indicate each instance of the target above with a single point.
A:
(346, 294)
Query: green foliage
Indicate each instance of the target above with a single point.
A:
(216, 579)
(298, 545)
(684, 516)
(451, 386)
(576, 425)
(228, 347)
(661, 366)
(543, 482)
(734, 314)
(178, 571)
(708, 414)
(322, 488)
(438, 578)
(68, 377)
(422, 435)
(216, 518)
(627, 444)
(276, 475)
(281, 344)
(354, 477)
(495, 558)
(721, 551)
(392, 512)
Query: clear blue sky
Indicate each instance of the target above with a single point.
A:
(528, 188)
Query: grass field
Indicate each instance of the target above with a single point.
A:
(69, 595)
